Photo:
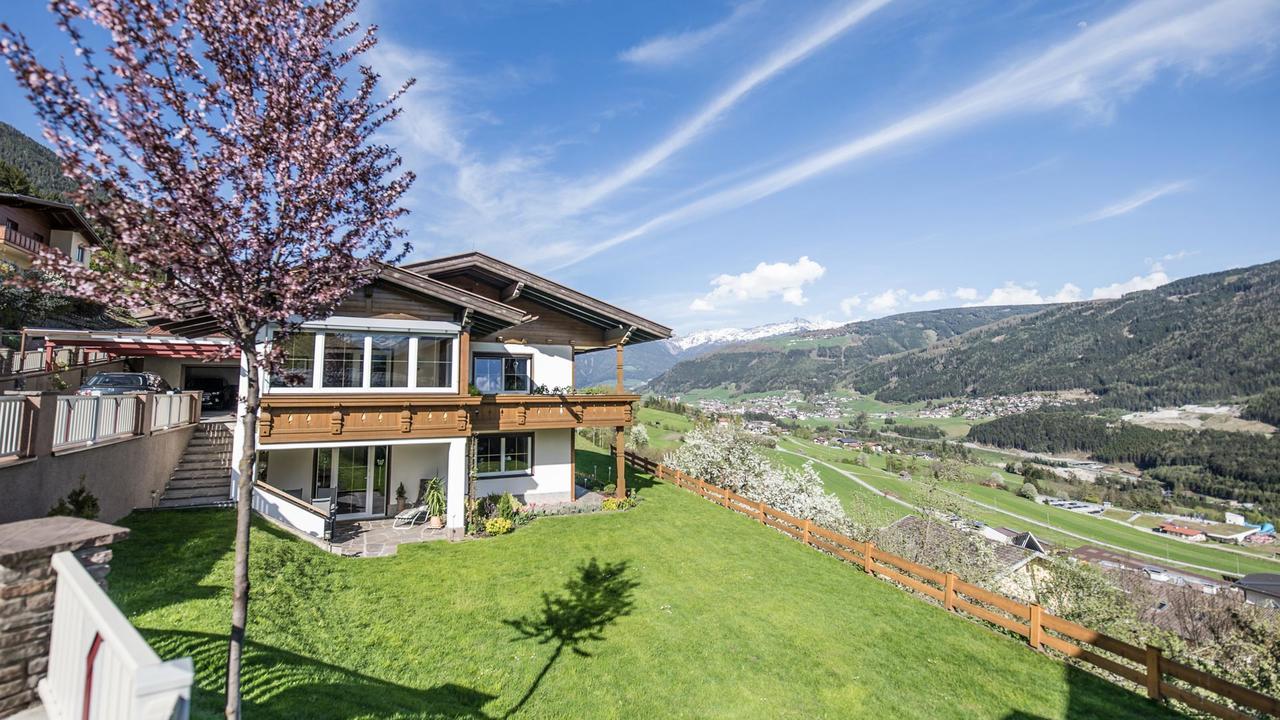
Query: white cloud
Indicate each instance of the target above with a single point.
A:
(667, 49)
(1012, 293)
(1092, 70)
(800, 47)
(927, 296)
(1180, 255)
(1135, 201)
(767, 280)
(965, 293)
(849, 304)
(886, 301)
(1151, 280)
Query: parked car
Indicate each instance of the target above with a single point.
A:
(117, 383)
(215, 393)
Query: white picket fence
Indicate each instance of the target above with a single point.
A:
(12, 416)
(100, 668)
(171, 410)
(86, 420)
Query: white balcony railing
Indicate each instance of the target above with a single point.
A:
(86, 420)
(13, 411)
(173, 410)
(100, 668)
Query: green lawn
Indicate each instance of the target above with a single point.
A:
(678, 608)
(1011, 508)
(666, 429)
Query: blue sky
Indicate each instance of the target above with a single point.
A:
(720, 163)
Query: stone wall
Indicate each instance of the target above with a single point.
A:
(27, 583)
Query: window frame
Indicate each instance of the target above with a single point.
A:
(504, 356)
(322, 330)
(502, 455)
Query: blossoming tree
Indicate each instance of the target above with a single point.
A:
(226, 148)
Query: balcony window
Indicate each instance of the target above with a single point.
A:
(504, 454)
(297, 361)
(501, 374)
(343, 360)
(390, 361)
(435, 362)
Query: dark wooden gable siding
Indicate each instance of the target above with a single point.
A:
(387, 301)
(552, 327)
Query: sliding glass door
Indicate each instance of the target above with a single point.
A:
(356, 477)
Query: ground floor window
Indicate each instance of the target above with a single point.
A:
(504, 454)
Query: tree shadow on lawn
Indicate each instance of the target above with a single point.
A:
(1090, 697)
(278, 683)
(588, 459)
(592, 600)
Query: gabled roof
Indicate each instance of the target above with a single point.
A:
(484, 315)
(1265, 583)
(523, 283)
(64, 215)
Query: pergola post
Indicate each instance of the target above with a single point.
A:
(619, 388)
(619, 444)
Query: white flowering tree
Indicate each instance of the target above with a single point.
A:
(730, 459)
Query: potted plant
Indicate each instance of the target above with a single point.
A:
(400, 496)
(434, 501)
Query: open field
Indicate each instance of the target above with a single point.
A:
(1009, 509)
(665, 428)
(677, 608)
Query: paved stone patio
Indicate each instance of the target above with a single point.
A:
(376, 538)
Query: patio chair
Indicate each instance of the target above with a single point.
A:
(410, 516)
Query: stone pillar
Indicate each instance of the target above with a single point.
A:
(27, 583)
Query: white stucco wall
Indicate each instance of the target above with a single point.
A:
(410, 463)
(552, 478)
(552, 364)
(290, 470)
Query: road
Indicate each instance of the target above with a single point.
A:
(1085, 538)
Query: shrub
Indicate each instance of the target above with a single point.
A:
(610, 489)
(78, 503)
(1029, 491)
(617, 503)
(508, 507)
(432, 496)
(638, 436)
(498, 526)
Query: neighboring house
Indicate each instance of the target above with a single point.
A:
(1261, 589)
(1111, 560)
(29, 224)
(1189, 534)
(435, 370)
(1015, 570)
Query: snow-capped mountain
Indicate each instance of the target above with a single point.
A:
(649, 360)
(725, 336)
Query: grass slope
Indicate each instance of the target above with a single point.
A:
(720, 617)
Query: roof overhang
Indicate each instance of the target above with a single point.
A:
(64, 215)
(618, 325)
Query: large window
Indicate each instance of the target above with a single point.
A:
(435, 362)
(365, 360)
(504, 454)
(390, 361)
(501, 374)
(297, 361)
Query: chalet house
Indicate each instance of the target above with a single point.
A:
(1189, 534)
(30, 224)
(460, 368)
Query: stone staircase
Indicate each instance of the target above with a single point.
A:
(203, 475)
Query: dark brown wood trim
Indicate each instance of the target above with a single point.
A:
(271, 489)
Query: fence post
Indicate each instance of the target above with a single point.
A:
(869, 557)
(949, 592)
(805, 529)
(1033, 638)
(1153, 672)
(760, 511)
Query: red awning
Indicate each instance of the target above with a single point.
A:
(138, 344)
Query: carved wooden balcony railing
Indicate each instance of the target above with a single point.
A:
(310, 418)
(536, 412)
(329, 418)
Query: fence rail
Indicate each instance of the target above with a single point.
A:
(15, 362)
(13, 425)
(1042, 630)
(173, 410)
(83, 420)
(100, 668)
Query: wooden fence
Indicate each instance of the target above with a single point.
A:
(1146, 667)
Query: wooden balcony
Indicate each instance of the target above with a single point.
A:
(541, 412)
(20, 240)
(288, 418)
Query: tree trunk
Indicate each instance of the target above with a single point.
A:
(244, 507)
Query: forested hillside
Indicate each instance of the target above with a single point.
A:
(815, 361)
(1205, 338)
(38, 163)
(1229, 465)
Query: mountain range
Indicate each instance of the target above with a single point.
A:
(649, 360)
(1204, 338)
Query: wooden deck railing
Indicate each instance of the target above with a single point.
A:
(1144, 667)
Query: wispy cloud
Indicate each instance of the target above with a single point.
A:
(668, 49)
(1012, 293)
(803, 45)
(1137, 200)
(1099, 66)
(781, 279)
